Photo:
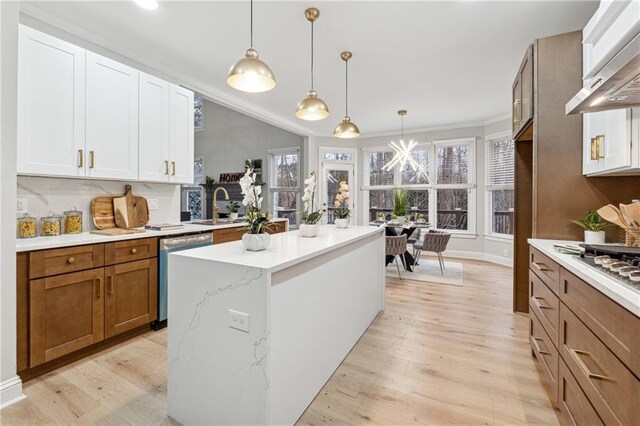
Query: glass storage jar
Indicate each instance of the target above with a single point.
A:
(73, 221)
(51, 225)
(26, 226)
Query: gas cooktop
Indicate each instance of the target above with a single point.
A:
(620, 263)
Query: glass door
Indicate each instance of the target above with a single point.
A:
(332, 175)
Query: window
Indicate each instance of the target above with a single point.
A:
(499, 183)
(198, 116)
(284, 183)
(338, 156)
(441, 183)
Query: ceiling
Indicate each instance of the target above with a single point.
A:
(447, 63)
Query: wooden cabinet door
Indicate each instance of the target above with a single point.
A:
(181, 137)
(131, 295)
(154, 162)
(112, 119)
(66, 314)
(516, 113)
(51, 105)
(526, 91)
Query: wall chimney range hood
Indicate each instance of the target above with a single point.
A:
(615, 86)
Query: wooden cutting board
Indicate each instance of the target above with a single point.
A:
(116, 231)
(130, 211)
(102, 213)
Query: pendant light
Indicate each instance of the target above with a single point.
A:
(312, 108)
(250, 74)
(346, 129)
(402, 153)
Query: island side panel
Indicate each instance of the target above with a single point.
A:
(319, 310)
(216, 374)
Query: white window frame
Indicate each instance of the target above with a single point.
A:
(321, 182)
(271, 173)
(432, 186)
(488, 189)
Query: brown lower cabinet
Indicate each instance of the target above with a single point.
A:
(63, 314)
(226, 235)
(587, 344)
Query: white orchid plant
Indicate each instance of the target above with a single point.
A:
(310, 216)
(341, 202)
(257, 221)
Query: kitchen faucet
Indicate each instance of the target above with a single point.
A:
(215, 202)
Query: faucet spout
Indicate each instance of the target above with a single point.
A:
(215, 202)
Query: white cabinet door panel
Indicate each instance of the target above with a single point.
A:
(154, 162)
(51, 103)
(112, 119)
(181, 137)
(616, 145)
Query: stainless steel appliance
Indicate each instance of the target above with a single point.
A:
(617, 262)
(169, 245)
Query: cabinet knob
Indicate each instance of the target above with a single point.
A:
(133, 251)
(71, 260)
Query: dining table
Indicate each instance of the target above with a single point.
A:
(391, 230)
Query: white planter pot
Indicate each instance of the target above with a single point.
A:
(401, 219)
(233, 216)
(309, 230)
(341, 223)
(256, 242)
(593, 237)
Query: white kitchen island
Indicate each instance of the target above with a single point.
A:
(308, 301)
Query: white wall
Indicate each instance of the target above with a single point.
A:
(229, 138)
(10, 384)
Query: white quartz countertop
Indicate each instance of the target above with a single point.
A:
(621, 294)
(68, 240)
(286, 249)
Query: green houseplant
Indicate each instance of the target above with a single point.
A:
(233, 208)
(400, 204)
(593, 226)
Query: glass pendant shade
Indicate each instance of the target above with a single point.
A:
(312, 108)
(346, 129)
(250, 74)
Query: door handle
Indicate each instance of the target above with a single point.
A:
(540, 305)
(92, 159)
(535, 341)
(99, 287)
(576, 353)
(594, 150)
(110, 284)
(81, 158)
(540, 267)
(173, 168)
(166, 167)
(599, 149)
(516, 116)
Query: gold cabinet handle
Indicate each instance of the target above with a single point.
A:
(599, 148)
(540, 266)
(535, 341)
(81, 158)
(92, 159)
(71, 260)
(134, 251)
(576, 353)
(594, 151)
(110, 284)
(540, 305)
(166, 167)
(173, 168)
(516, 116)
(99, 287)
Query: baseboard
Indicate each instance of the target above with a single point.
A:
(11, 392)
(474, 255)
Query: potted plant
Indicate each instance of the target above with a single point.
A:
(593, 226)
(258, 223)
(233, 208)
(400, 203)
(421, 218)
(342, 212)
(310, 217)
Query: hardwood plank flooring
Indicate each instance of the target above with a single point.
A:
(439, 354)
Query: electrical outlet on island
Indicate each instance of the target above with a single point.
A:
(239, 320)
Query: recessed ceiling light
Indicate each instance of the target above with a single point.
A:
(147, 4)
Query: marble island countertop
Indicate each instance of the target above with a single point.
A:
(619, 293)
(285, 249)
(68, 240)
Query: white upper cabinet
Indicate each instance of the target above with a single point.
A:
(181, 136)
(51, 104)
(154, 129)
(112, 119)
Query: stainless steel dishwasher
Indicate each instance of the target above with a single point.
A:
(170, 245)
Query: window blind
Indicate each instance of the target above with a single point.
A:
(372, 173)
(499, 164)
(455, 163)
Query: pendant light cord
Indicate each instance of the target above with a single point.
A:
(311, 55)
(402, 128)
(346, 88)
(251, 24)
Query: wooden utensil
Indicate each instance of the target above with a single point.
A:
(610, 213)
(633, 210)
(102, 213)
(116, 231)
(130, 211)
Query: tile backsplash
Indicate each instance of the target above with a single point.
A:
(55, 194)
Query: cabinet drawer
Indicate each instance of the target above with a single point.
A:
(546, 354)
(573, 402)
(546, 269)
(228, 234)
(44, 263)
(604, 379)
(127, 251)
(546, 305)
(610, 322)
(277, 227)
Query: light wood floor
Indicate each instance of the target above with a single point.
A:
(439, 354)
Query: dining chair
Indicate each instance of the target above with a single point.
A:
(414, 237)
(396, 246)
(434, 241)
